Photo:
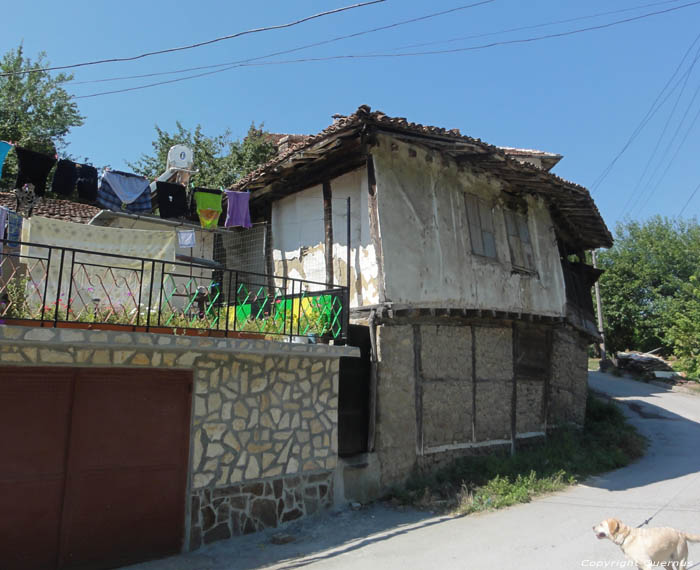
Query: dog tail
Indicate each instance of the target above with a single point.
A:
(692, 537)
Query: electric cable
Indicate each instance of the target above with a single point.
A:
(400, 55)
(535, 26)
(292, 50)
(655, 106)
(196, 45)
(685, 78)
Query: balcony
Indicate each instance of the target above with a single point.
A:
(43, 285)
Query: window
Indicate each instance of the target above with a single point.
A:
(480, 218)
(519, 241)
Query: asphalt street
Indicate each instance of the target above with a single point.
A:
(550, 532)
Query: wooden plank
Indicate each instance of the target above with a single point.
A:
(328, 229)
(374, 227)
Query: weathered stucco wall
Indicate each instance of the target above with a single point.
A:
(299, 237)
(426, 243)
(264, 421)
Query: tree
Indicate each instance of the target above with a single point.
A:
(35, 111)
(218, 160)
(646, 279)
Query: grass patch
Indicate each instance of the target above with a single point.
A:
(474, 484)
(594, 364)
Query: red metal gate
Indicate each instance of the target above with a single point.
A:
(94, 465)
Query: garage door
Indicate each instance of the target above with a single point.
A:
(94, 466)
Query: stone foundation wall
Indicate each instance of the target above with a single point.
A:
(264, 420)
(224, 512)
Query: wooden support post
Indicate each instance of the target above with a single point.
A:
(328, 229)
(374, 227)
(514, 397)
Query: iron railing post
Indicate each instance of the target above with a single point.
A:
(70, 283)
(150, 296)
(138, 303)
(58, 289)
(46, 284)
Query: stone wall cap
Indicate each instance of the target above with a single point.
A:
(20, 335)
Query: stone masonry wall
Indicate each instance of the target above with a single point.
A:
(264, 422)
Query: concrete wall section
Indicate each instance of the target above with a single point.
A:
(425, 237)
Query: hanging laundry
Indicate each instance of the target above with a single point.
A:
(4, 149)
(119, 191)
(87, 182)
(34, 168)
(3, 222)
(238, 210)
(172, 201)
(14, 228)
(208, 206)
(64, 178)
(186, 238)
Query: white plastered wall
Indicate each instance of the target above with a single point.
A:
(299, 237)
(426, 245)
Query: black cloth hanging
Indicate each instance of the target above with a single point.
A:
(33, 168)
(87, 182)
(65, 177)
(172, 200)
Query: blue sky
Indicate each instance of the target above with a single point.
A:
(582, 95)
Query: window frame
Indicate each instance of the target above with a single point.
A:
(482, 231)
(522, 255)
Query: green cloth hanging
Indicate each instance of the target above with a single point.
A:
(208, 207)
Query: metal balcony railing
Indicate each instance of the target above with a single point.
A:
(52, 285)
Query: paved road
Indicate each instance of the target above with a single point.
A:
(552, 532)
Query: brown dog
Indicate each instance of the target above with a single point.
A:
(649, 548)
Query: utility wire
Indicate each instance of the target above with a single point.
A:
(668, 148)
(292, 50)
(684, 79)
(692, 195)
(535, 26)
(400, 55)
(655, 106)
(196, 45)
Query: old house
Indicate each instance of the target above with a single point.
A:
(469, 297)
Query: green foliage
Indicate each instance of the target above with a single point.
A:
(219, 160)
(36, 112)
(646, 276)
(684, 331)
(473, 484)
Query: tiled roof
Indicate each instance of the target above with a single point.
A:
(57, 209)
(573, 202)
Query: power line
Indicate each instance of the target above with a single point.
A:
(663, 131)
(692, 195)
(196, 45)
(684, 78)
(535, 26)
(655, 106)
(292, 50)
(399, 55)
(670, 144)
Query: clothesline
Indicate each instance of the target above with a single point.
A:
(123, 192)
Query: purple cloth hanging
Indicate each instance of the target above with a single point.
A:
(238, 212)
